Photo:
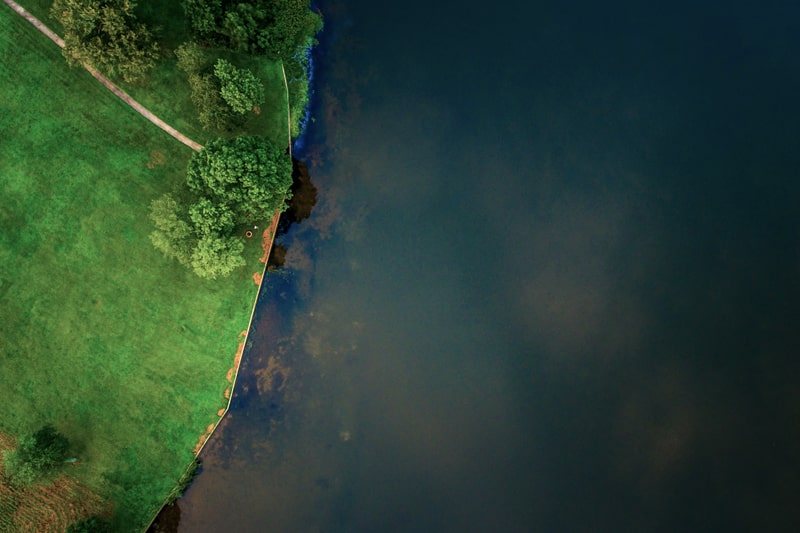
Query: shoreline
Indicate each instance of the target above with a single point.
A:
(268, 237)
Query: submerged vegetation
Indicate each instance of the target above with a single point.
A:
(126, 353)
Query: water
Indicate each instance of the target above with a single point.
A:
(550, 283)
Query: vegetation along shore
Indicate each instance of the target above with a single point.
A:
(131, 210)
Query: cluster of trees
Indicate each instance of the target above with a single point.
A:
(229, 184)
(36, 456)
(263, 27)
(223, 93)
(106, 35)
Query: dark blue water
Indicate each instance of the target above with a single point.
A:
(551, 283)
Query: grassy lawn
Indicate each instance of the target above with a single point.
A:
(123, 351)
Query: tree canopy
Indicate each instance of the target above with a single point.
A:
(275, 29)
(231, 183)
(239, 87)
(248, 174)
(212, 111)
(36, 455)
(106, 35)
(173, 236)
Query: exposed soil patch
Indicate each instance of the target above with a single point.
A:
(203, 438)
(157, 158)
(269, 236)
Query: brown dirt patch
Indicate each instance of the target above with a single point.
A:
(157, 158)
(257, 278)
(238, 359)
(269, 236)
(199, 446)
(203, 438)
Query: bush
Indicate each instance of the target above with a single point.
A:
(36, 456)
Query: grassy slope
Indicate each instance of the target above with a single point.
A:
(122, 350)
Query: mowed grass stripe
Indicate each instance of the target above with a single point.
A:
(122, 350)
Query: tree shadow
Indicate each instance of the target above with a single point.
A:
(304, 198)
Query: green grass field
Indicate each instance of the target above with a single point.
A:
(123, 351)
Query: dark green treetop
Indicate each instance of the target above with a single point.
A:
(248, 174)
(272, 28)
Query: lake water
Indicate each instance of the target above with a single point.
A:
(551, 281)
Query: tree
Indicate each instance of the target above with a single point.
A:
(250, 175)
(205, 16)
(239, 87)
(217, 256)
(173, 236)
(37, 455)
(106, 35)
(212, 111)
(191, 58)
(209, 218)
(293, 26)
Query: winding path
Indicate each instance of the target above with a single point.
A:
(125, 97)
